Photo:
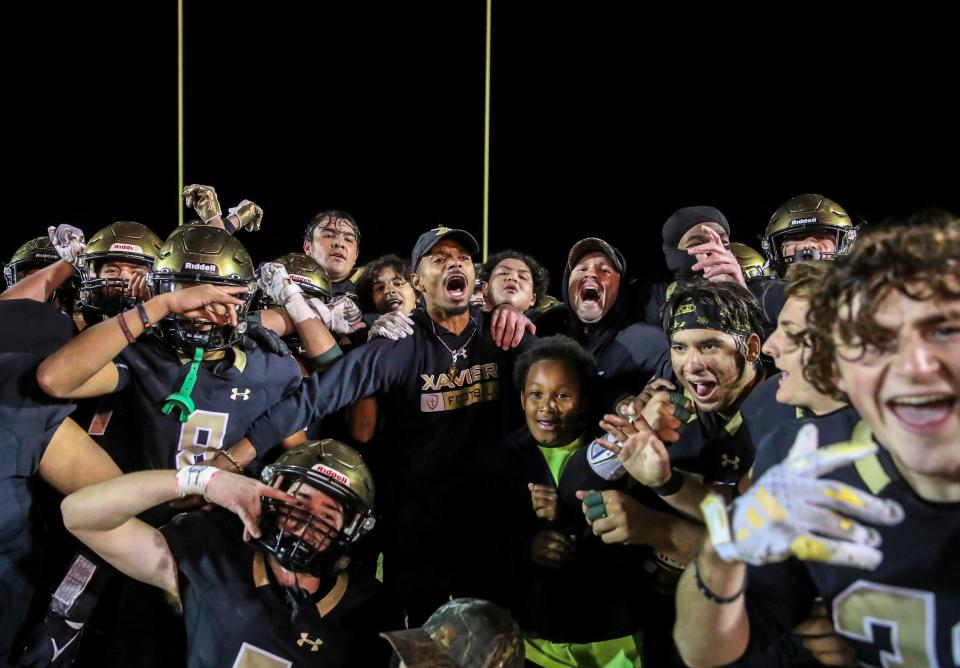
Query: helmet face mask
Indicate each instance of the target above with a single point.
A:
(306, 538)
(197, 254)
(804, 216)
(124, 241)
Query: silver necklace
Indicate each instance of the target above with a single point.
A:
(457, 353)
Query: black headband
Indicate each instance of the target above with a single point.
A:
(703, 313)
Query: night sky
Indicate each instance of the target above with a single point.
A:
(604, 119)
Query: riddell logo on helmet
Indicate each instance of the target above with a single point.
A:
(803, 221)
(298, 278)
(201, 266)
(131, 248)
(330, 473)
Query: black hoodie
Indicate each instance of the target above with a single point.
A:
(628, 353)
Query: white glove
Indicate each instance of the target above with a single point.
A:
(347, 308)
(332, 318)
(68, 242)
(394, 325)
(791, 511)
(276, 283)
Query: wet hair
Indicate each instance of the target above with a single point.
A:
(326, 218)
(563, 349)
(371, 272)
(920, 261)
(539, 273)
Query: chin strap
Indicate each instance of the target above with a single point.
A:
(181, 400)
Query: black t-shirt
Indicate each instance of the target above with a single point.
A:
(439, 436)
(908, 608)
(236, 616)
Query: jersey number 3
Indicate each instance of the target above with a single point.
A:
(202, 433)
(908, 615)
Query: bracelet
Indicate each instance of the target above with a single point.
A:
(230, 458)
(707, 593)
(125, 327)
(144, 318)
(672, 485)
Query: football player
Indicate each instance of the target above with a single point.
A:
(807, 228)
(885, 331)
(291, 600)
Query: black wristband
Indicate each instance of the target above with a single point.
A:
(710, 595)
(228, 225)
(144, 318)
(672, 485)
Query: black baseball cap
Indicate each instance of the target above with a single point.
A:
(432, 237)
(464, 633)
(593, 245)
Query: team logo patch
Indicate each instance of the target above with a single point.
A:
(686, 308)
(235, 394)
(330, 473)
(132, 248)
(442, 230)
(201, 266)
(314, 644)
(733, 463)
(804, 221)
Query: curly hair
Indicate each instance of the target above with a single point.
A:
(539, 273)
(920, 261)
(370, 273)
(561, 348)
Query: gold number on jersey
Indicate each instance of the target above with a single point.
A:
(254, 657)
(203, 431)
(909, 614)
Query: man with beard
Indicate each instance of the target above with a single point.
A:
(446, 402)
(596, 313)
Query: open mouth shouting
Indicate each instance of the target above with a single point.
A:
(394, 304)
(455, 288)
(590, 298)
(704, 390)
(923, 413)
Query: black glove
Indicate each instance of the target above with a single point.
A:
(265, 337)
(51, 644)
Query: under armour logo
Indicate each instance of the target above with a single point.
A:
(726, 461)
(236, 394)
(305, 640)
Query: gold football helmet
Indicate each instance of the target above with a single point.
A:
(804, 215)
(298, 538)
(201, 254)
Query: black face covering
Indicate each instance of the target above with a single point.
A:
(679, 262)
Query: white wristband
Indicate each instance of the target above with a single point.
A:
(194, 479)
(298, 308)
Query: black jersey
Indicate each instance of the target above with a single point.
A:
(443, 419)
(28, 420)
(235, 614)
(229, 394)
(773, 426)
(907, 611)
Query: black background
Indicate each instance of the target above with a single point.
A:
(605, 118)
